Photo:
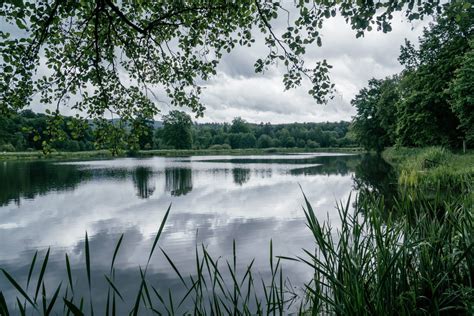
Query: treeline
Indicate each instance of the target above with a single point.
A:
(179, 133)
(28, 131)
(431, 102)
(33, 131)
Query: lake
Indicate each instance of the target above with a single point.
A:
(215, 200)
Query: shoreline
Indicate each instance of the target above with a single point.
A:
(101, 154)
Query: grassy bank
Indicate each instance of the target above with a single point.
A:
(434, 169)
(34, 155)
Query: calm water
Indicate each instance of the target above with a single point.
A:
(215, 200)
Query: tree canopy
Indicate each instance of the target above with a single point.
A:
(431, 101)
(177, 130)
(109, 56)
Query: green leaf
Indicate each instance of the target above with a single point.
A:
(114, 287)
(3, 305)
(41, 275)
(72, 308)
(18, 287)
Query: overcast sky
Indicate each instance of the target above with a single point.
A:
(237, 90)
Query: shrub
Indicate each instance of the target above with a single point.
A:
(7, 147)
(220, 147)
(312, 144)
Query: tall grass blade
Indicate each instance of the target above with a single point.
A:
(20, 307)
(43, 296)
(30, 271)
(136, 307)
(117, 247)
(114, 288)
(88, 261)
(41, 275)
(69, 273)
(174, 268)
(72, 308)
(53, 300)
(3, 305)
(160, 230)
(18, 288)
(88, 270)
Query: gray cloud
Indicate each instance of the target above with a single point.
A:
(238, 91)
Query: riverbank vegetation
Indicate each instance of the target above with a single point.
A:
(106, 154)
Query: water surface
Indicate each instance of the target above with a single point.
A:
(215, 200)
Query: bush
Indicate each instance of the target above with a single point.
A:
(264, 141)
(312, 144)
(7, 147)
(220, 147)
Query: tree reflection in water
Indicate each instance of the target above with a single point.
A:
(179, 181)
(241, 175)
(142, 179)
(373, 174)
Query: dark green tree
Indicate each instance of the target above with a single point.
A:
(239, 125)
(425, 115)
(367, 123)
(264, 141)
(177, 130)
(462, 91)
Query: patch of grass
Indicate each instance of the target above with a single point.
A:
(38, 155)
(433, 168)
(421, 264)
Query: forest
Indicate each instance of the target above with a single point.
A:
(29, 131)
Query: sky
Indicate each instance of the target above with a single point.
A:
(237, 90)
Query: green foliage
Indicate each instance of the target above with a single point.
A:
(300, 135)
(264, 141)
(220, 147)
(434, 168)
(374, 121)
(110, 135)
(239, 125)
(7, 147)
(430, 102)
(88, 43)
(420, 263)
(28, 130)
(462, 91)
(177, 130)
